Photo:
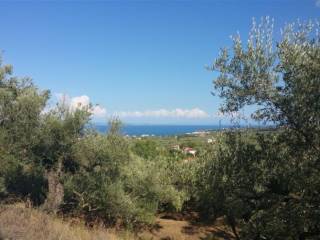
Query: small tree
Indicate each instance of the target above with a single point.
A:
(61, 128)
(271, 188)
(34, 144)
(21, 104)
(115, 185)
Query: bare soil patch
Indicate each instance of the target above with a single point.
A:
(187, 228)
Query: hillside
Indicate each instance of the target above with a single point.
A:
(22, 223)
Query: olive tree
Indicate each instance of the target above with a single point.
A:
(281, 78)
(60, 129)
(35, 143)
(21, 104)
(269, 187)
(115, 185)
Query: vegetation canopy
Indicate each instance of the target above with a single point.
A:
(268, 184)
(264, 183)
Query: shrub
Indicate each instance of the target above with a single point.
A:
(114, 185)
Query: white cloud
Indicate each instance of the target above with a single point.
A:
(81, 102)
(164, 113)
(318, 3)
(98, 111)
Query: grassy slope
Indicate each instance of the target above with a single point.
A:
(21, 223)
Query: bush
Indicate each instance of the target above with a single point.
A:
(261, 188)
(146, 148)
(116, 186)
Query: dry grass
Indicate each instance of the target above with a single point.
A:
(20, 223)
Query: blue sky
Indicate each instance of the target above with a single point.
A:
(142, 60)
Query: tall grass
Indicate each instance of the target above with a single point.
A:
(21, 223)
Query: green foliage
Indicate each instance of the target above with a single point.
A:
(281, 78)
(188, 143)
(154, 182)
(21, 104)
(26, 183)
(115, 185)
(268, 184)
(260, 186)
(33, 142)
(146, 148)
(48, 156)
(60, 129)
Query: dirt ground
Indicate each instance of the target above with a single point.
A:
(174, 229)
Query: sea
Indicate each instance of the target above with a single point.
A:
(160, 130)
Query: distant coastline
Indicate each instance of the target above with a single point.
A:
(162, 130)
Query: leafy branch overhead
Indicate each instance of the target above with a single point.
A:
(269, 74)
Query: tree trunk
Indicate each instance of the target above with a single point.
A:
(55, 190)
(232, 223)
